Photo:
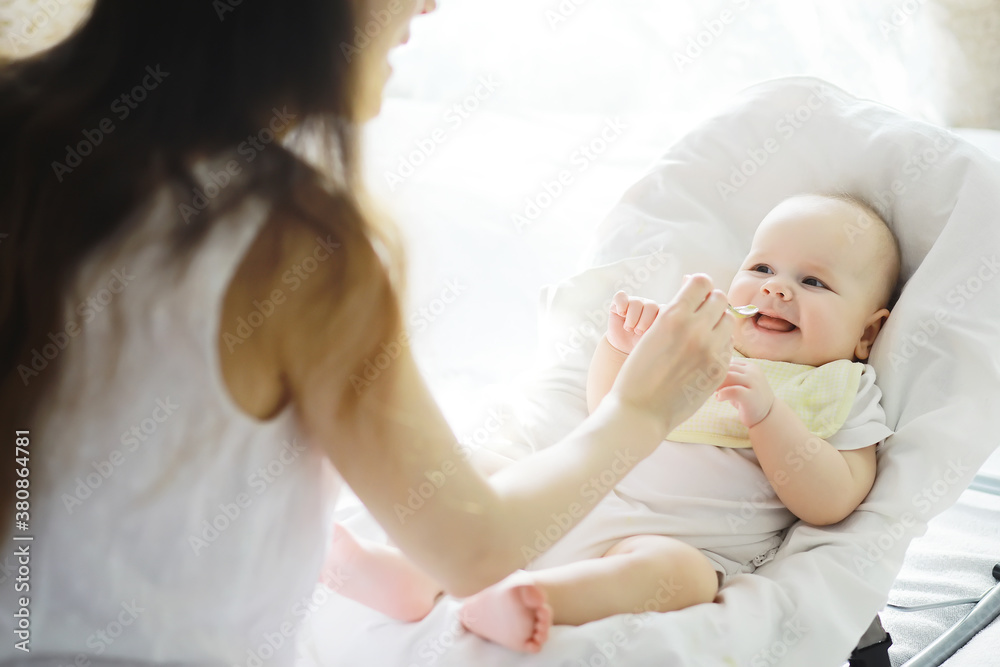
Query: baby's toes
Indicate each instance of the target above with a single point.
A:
(543, 623)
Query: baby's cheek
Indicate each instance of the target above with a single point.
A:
(827, 339)
(739, 294)
(746, 333)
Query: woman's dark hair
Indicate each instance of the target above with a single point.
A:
(92, 127)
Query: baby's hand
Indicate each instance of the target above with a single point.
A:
(630, 318)
(747, 389)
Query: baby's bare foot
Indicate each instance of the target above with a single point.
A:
(378, 576)
(512, 613)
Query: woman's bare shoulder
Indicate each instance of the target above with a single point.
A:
(281, 290)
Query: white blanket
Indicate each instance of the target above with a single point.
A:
(937, 362)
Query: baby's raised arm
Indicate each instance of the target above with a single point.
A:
(629, 318)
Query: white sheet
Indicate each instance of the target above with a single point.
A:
(810, 605)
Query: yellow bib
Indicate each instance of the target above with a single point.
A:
(821, 396)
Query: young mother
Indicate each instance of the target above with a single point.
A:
(188, 308)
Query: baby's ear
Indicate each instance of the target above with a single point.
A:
(871, 328)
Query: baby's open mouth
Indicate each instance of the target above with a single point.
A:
(771, 323)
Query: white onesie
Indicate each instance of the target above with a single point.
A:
(715, 498)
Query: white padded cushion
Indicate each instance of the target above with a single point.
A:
(810, 605)
(937, 359)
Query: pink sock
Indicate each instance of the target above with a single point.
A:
(378, 576)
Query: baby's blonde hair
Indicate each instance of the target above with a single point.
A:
(887, 247)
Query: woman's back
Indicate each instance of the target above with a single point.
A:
(174, 526)
(168, 524)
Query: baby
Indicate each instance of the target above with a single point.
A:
(791, 433)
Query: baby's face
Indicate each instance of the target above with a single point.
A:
(813, 283)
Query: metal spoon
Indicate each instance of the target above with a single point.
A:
(744, 311)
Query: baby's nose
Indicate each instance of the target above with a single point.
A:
(777, 288)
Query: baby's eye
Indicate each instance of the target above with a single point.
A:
(762, 268)
(813, 282)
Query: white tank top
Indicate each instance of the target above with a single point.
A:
(215, 562)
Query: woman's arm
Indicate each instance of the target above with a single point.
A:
(486, 461)
(400, 457)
